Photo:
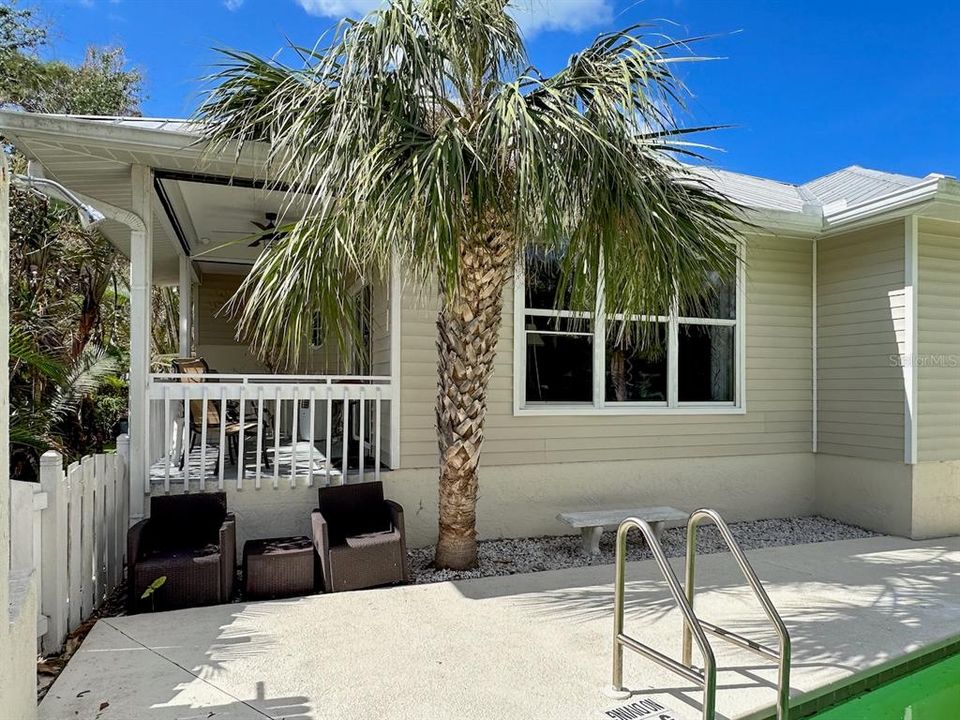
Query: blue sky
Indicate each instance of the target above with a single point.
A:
(809, 86)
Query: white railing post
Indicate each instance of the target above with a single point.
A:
(123, 450)
(27, 502)
(39, 505)
(53, 552)
(284, 393)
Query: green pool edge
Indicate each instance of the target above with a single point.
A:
(809, 704)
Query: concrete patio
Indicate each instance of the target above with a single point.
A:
(523, 646)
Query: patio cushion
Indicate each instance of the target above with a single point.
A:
(354, 510)
(383, 537)
(180, 522)
(180, 553)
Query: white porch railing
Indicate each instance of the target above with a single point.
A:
(71, 529)
(214, 428)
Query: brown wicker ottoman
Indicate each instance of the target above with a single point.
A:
(278, 567)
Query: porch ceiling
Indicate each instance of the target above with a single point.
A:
(215, 219)
(107, 180)
(94, 156)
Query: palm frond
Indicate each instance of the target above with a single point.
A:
(82, 378)
(418, 130)
(25, 352)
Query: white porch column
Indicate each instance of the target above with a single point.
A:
(18, 613)
(141, 285)
(186, 307)
(4, 396)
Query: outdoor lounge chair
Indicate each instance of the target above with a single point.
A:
(359, 537)
(214, 416)
(191, 541)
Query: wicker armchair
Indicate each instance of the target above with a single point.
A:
(359, 538)
(190, 540)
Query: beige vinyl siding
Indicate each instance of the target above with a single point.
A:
(216, 335)
(380, 329)
(778, 386)
(938, 341)
(860, 311)
(380, 358)
(217, 342)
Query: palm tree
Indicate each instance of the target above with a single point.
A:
(420, 135)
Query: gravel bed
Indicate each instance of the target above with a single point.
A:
(524, 555)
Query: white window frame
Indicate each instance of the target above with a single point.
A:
(600, 406)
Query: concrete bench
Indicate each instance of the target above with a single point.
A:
(591, 523)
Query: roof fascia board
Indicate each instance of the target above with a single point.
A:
(805, 224)
(891, 205)
(184, 145)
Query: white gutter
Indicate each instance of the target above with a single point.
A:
(128, 136)
(62, 126)
(118, 214)
(840, 215)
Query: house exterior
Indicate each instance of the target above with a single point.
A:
(826, 379)
(18, 591)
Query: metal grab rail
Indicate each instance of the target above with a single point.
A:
(782, 658)
(707, 678)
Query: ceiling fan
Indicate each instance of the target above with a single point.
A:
(268, 230)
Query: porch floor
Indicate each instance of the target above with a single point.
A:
(280, 461)
(521, 646)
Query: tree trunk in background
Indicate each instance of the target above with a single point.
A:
(468, 327)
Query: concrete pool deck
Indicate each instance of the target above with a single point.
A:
(532, 646)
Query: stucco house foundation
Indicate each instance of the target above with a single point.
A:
(826, 380)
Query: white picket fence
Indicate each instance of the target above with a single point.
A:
(72, 527)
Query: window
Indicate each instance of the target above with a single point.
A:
(559, 344)
(686, 362)
(362, 308)
(317, 332)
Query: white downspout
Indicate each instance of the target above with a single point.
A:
(816, 398)
(141, 275)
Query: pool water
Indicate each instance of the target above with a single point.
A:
(932, 693)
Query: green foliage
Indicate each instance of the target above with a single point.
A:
(100, 85)
(422, 130)
(153, 587)
(109, 406)
(69, 304)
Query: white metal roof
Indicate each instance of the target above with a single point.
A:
(93, 155)
(856, 184)
(758, 193)
(172, 125)
(852, 185)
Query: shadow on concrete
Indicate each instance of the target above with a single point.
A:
(839, 608)
(175, 669)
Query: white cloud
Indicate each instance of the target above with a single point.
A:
(533, 15)
(232, 5)
(566, 15)
(339, 8)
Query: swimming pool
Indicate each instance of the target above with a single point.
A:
(931, 693)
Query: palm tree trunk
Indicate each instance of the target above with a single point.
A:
(468, 327)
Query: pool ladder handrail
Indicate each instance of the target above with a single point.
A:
(693, 627)
(781, 657)
(706, 678)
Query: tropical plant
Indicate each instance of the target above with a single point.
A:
(69, 307)
(51, 401)
(421, 133)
